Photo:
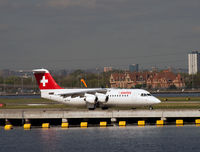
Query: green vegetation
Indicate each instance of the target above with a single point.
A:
(13, 84)
(177, 106)
(26, 101)
(191, 81)
(92, 80)
(34, 107)
(23, 104)
(14, 80)
(179, 99)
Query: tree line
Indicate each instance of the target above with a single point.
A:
(72, 80)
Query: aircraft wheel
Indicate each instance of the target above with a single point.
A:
(91, 108)
(150, 108)
(104, 108)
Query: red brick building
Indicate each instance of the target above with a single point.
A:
(164, 79)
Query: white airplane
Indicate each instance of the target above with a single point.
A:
(94, 97)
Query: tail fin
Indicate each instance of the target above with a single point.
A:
(45, 80)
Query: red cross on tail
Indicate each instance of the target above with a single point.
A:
(45, 80)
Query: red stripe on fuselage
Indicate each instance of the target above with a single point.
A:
(127, 92)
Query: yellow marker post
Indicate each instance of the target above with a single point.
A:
(179, 122)
(65, 125)
(103, 124)
(141, 123)
(83, 124)
(27, 126)
(82, 80)
(122, 123)
(197, 121)
(159, 122)
(45, 125)
(8, 127)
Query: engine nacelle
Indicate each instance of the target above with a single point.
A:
(102, 97)
(90, 98)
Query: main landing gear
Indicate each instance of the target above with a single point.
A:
(91, 108)
(150, 108)
(104, 108)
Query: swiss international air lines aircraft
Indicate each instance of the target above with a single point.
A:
(92, 98)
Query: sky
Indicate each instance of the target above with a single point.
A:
(72, 34)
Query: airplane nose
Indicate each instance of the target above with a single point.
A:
(153, 100)
(157, 100)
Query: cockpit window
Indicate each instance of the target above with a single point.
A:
(145, 94)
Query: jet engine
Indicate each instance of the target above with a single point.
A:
(102, 97)
(90, 98)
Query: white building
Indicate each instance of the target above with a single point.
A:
(107, 69)
(193, 62)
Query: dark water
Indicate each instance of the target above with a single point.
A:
(134, 139)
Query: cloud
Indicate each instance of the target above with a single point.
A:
(14, 4)
(196, 29)
(4, 2)
(3, 27)
(47, 3)
(68, 3)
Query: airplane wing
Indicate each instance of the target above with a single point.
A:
(82, 93)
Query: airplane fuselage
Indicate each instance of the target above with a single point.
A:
(115, 97)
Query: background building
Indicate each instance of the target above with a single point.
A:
(152, 80)
(107, 69)
(134, 68)
(193, 62)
